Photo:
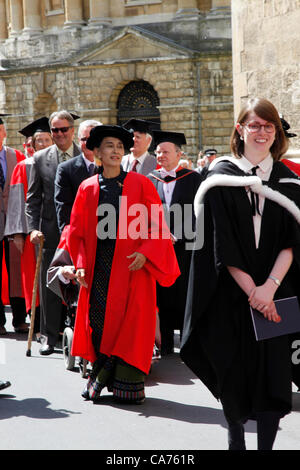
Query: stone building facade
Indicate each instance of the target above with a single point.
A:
(266, 57)
(163, 60)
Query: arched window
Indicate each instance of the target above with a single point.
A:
(139, 100)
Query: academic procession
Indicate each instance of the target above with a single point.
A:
(149, 265)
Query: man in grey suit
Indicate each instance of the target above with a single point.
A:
(41, 214)
(140, 160)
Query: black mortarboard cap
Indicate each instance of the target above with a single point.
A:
(98, 133)
(75, 116)
(286, 127)
(39, 125)
(177, 138)
(139, 125)
(3, 115)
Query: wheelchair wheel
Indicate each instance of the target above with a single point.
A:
(67, 345)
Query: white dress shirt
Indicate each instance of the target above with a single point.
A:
(140, 161)
(87, 162)
(168, 188)
(263, 172)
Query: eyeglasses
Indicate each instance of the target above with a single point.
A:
(64, 130)
(254, 127)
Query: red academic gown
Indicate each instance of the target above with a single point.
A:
(295, 167)
(19, 156)
(15, 224)
(130, 317)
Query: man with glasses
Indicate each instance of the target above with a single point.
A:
(71, 173)
(41, 214)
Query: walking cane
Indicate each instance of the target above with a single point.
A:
(34, 294)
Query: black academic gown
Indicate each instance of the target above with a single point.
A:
(171, 300)
(218, 341)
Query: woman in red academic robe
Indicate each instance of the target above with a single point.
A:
(120, 246)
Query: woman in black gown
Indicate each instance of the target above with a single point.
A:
(250, 257)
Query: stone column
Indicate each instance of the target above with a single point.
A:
(3, 29)
(73, 14)
(32, 17)
(16, 17)
(99, 12)
(187, 8)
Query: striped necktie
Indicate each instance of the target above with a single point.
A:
(134, 165)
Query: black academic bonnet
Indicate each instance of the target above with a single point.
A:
(39, 125)
(98, 133)
(3, 115)
(177, 138)
(286, 127)
(139, 125)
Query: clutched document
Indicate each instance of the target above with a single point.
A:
(289, 311)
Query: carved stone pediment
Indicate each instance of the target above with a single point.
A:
(133, 44)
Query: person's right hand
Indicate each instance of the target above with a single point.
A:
(68, 272)
(36, 236)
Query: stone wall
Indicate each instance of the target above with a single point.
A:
(183, 51)
(195, 96)
(266, 55)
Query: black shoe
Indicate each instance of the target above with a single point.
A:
(4, 385)
(46, 350)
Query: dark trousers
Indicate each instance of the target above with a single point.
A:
(17, 303)
(51, 307)
(267, 427)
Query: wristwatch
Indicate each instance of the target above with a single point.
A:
(275, 280)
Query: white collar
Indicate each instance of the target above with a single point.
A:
(172, 172)
(265, 165)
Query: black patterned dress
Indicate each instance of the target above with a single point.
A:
(125, 381)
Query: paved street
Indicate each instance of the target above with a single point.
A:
(43, 409)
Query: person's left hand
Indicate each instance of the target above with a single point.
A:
(19, 242)
(138, 262)
(80, 276)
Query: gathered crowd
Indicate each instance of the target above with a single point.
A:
(136, 244)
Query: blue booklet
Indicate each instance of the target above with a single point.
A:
(289, 311)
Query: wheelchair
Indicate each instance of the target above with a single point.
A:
(70, 361)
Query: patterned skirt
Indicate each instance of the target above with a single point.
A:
(125, 381)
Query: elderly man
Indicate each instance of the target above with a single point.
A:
(9, 158)
(140, 160)
(41, 214)
(71, 173)
(176, 187)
